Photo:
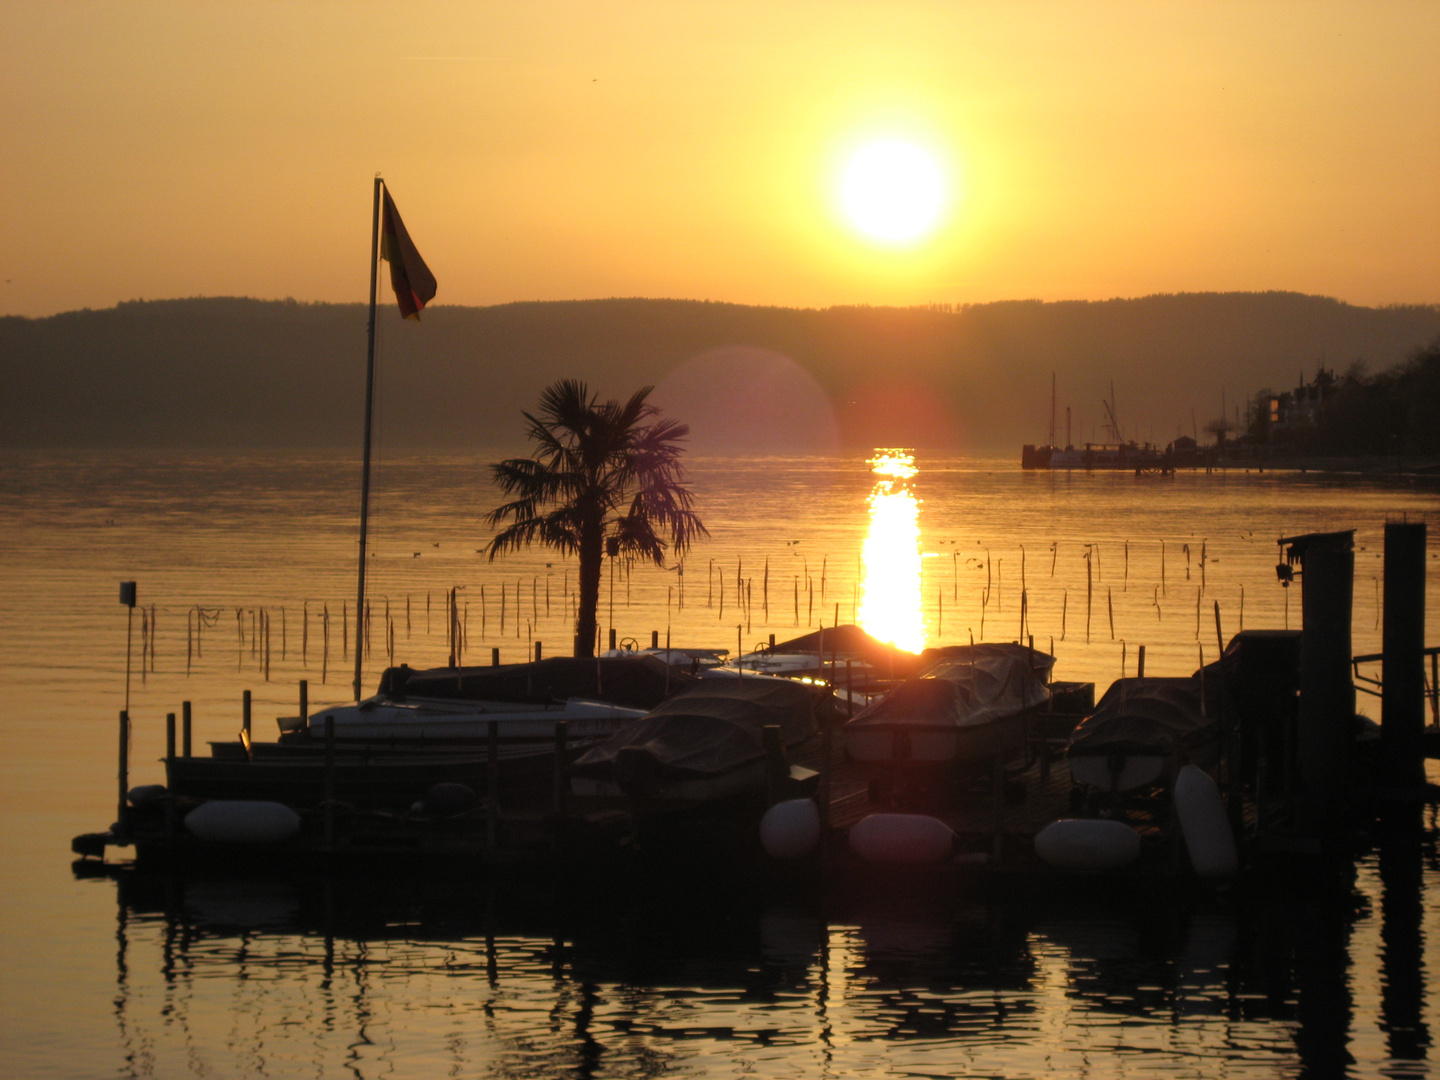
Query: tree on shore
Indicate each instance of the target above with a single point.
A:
(604, 478)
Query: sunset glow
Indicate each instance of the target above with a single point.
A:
(890, 592)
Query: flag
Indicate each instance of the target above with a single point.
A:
(411, 279)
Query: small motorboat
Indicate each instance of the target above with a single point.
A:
(965, 711)
(1141, 733)
(707, 748)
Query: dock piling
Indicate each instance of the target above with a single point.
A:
(1327, 695)
(304, 706)
(185, 728)
(124, 768)
(562, 765)
(492, 782)
(329, 780)
(169, 736)
(245, 715)
(1402, 693)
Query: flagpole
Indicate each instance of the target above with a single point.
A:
(369, 410)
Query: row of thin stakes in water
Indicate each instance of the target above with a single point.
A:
(259, 629)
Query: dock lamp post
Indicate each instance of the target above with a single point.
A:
(127, 597)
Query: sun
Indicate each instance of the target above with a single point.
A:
(892, 191)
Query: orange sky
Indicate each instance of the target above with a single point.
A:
(570, 150)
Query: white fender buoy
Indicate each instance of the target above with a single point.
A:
(233, 821)
(1204, 825)
(790, 829)
(902, 838)
(1087, 844)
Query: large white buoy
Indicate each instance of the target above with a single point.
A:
(790, 829)
(227, 821)
(1204, 825)
(902, 838)
(1087, 844)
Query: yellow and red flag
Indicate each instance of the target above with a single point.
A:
(411, 279)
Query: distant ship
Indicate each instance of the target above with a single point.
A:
(1183, 453)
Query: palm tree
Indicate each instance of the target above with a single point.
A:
(604, 478)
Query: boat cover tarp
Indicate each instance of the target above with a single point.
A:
(964, 686)
(850, 641)
(711, 728)
(1152, 716)
(636, 682)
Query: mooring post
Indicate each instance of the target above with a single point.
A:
(329, 780)
(169, 737)
(304, 704)
(1140, 663)
(822, 793)
(777, 763)
(539, 651)
(124, 769)
(245, 717)
(495, 656)
(492, 782)
(1327, 694)
(654, 639)
(1402, 693)
(185, 728)
(562, 771)
(612, 639)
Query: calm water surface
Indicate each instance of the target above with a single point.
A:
(202, 977)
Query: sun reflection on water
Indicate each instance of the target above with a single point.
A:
(890, 596)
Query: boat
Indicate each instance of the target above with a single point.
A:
(1142, 732)
(964, 712)
(633, 680)
(707, 749)
(425, 727)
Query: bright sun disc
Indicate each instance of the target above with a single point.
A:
(892, 191)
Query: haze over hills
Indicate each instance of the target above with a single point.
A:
(225, 372)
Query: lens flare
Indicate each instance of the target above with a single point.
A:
(890, 601)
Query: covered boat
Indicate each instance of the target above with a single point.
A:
(636, 681)
(1142, 731)
(706, 747)
(965, 706)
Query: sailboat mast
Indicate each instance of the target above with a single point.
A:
(369, 412)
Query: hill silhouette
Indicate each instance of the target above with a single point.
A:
(227, 372)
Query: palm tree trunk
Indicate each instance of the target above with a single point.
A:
(592, 548)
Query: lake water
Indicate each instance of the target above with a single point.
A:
(207, 977)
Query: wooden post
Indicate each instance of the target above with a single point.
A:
(562, 765)
(185, 728)
(492, 782)
(612, 639)
(304, 704)
(849, 689)
(495, 656)
(1327, 696)
(823, 787)
(539, 651)
(1402, 700)
(124, 768)
(245, 715)
(329, 780)
(1140, 664)
(777, 764)
(169, 737)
